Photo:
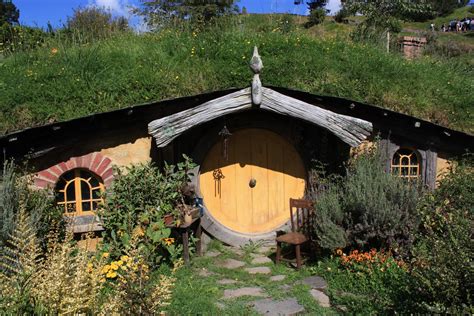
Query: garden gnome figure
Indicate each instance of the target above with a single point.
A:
(256, 65)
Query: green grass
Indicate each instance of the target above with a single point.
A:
(38, 87)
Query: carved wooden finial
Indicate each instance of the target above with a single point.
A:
(256, 65)
(256, 62)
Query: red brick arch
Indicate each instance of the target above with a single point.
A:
(95, 162)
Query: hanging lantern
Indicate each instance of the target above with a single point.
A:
(225, 134)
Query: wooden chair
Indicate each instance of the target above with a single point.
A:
(301, 227)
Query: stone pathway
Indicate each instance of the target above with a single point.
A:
(259, 270)
(231, 264)
(260, 266)
(226, 281)
(261, 260)
(244, 291)
(277, 278)
(277, 308)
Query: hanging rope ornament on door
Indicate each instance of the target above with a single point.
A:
(225, 134)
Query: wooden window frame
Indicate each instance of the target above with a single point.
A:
(78, 200)
(409, 165)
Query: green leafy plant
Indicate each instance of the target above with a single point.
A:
(443, 281)
(19, 260)
(316, 16)
(134, 207)
(15, 188)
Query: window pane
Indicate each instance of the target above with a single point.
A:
(414, 171)
(70, 192)
(59, 196)
(396, 159)
(86, 206)
(70, 207)
(94, 205)
(68, 175)
(94, 182)
(85, 190)
(405, 171)
(96, 194)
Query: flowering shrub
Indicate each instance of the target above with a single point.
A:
(135, 290)
(368, 261)
(365, 282)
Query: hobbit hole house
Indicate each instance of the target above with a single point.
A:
(253, 148)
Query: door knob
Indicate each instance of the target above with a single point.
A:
(252, 183)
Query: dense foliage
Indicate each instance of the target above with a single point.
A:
(9, 14)
(135, 205)
(15, 191)
(367, 208)
(444, 254)
(66, 279)
(434, 273)
(164, 13)
(43, 271)
(381, 16)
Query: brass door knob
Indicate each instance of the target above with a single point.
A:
(252, 183)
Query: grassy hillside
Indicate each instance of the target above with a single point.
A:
(43, 86)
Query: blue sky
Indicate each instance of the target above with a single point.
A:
(39, 12)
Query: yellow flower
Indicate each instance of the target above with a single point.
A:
(124, 268)
(111, 274)
(105, 255)
(90, 267)
(114, 266)
(168, 241)
(54, 51)
(105, 269)
(120, 262)
(102, 280)
(124, 258)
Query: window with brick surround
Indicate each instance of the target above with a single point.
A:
(78, 191)
(406, 164)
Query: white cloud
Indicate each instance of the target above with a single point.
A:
(119, 7)
(334, 6)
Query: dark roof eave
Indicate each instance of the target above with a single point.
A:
(384, 120)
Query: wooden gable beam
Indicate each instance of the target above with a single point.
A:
(349, 129)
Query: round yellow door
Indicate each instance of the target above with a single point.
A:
(247, 185)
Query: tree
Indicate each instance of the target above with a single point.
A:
(317, 11)
(9, 14)
(385, 15)
(445, 7)
(160, 13)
